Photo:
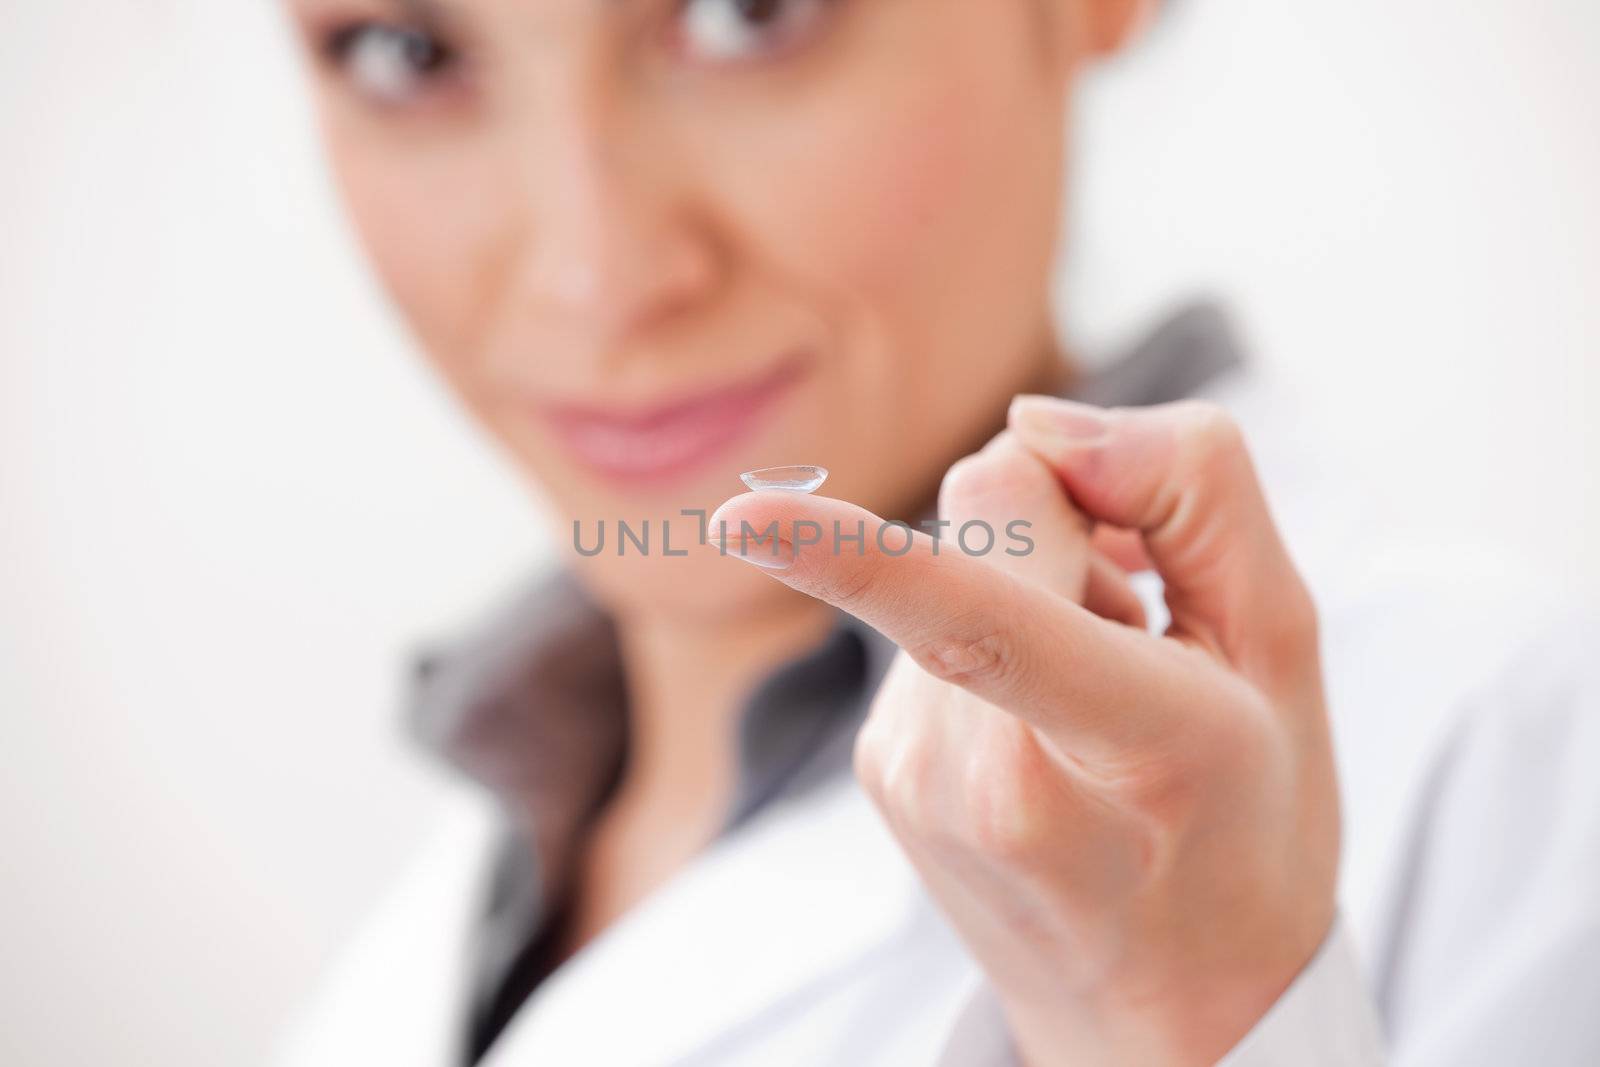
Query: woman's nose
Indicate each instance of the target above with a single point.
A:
(614, 243)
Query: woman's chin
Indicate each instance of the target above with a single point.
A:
(700, 584)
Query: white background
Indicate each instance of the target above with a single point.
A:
(230, 500)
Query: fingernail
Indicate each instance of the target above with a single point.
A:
(1059, 420)
(770, 554)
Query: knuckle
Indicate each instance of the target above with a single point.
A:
(905, 783)
(867, 757)
(966, 658)
(893, 761)
(1299, 624)
(1000, 472)
(967, 475)
(1164, 788)
(1213, 439)
(1003, 783)
(1290, 648)
(1006, 835)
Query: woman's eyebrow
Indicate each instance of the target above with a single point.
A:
(440, 10)
(426, 11)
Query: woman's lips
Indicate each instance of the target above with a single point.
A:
(665, 441)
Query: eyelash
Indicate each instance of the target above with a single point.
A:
(787, 23)
(429, 59)
(424, 50)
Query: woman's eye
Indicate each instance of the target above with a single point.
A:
(389, 63)
(731, 30)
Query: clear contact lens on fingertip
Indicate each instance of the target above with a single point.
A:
(796, 479)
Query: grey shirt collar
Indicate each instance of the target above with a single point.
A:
(531, 704)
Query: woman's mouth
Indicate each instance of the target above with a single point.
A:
(667, 441)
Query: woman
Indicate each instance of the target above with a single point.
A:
(938, 789)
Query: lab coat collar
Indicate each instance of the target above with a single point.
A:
(768, 917)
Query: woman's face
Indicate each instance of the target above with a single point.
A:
(654, 243)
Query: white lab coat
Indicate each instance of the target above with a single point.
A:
(1466, 709)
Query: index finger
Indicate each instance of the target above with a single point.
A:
(1097, 687)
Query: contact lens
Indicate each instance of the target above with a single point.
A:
(792, 479)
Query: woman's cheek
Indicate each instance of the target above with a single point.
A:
(867, 198)
(902, 221)
(439, 253)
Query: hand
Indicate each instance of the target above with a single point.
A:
(1136, 835)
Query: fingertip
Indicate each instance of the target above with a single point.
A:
(763, 507)
(766, 527)
(765, 499)
(1024, 406)
(733, 506)
(1059, 424)
(1003, 480)
(1022, 400)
